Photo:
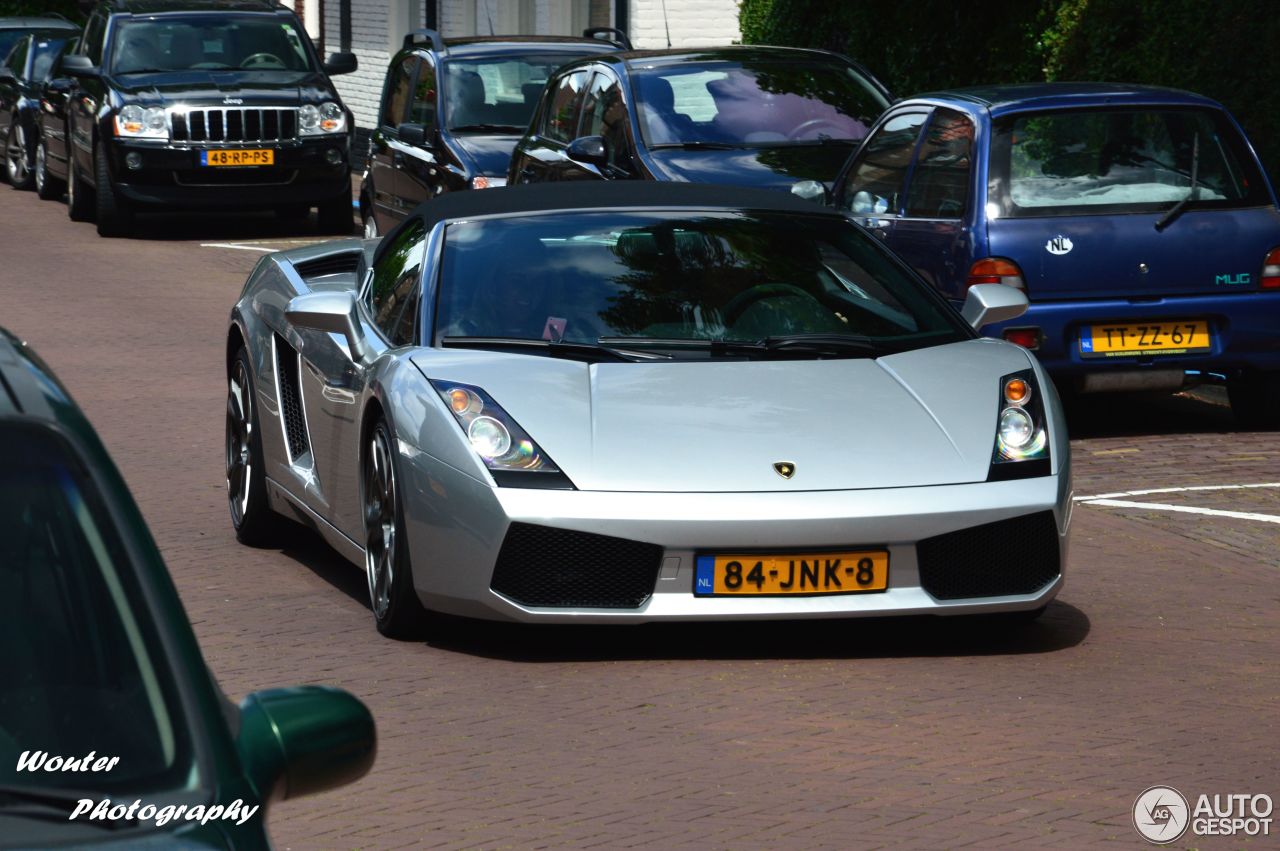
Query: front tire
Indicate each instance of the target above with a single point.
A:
(1255, 399)
(48, 187)
(255, 523)
(397, 612)
(18, 156)
(115, 216)
(79, 195)
(370, 226)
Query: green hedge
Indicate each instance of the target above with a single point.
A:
(69, 9)
(1220, 49)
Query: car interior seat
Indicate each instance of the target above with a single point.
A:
(658, 107)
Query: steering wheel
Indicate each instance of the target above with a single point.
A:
(738, 304)
(262, 60)
(811, 124)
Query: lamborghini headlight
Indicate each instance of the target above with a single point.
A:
(136, 122)
(315, 120)
(504, 447)
(1022, 437)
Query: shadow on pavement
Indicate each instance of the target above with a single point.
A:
(1201, 410)
(227, 227)
(1060, 627)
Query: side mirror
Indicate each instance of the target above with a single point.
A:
(412, 134)
(341, 63)
(588, 150)
(811, 190)
(306, 739)
(79, 66)
(330, 311)
(987, 303)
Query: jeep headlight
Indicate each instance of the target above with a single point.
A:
(137, 122)
(315, 120)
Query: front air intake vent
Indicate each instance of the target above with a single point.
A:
(1009, 557)
(295, 427)
(330, 264)
(562, 568)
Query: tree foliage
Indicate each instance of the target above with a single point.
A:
(68, 9)
(1219, 49)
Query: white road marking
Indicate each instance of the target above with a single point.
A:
(1176, 490)
(1111, 500)
(237, 247)
(1185, 509)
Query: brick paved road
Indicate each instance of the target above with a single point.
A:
(1156, 665)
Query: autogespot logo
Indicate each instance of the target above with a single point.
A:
(1160, 814)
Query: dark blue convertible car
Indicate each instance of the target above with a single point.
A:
(1138, 221)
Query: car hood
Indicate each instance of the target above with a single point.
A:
(768, 168)
(254, 88)
(917, 418)
(491, 155)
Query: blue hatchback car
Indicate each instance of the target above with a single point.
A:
(1137, 220)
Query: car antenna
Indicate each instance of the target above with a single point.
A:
(488, 15)
(665, 23)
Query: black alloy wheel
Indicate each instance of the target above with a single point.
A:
(17, 155)
(48, 187)
(397, 611)
(255, 523)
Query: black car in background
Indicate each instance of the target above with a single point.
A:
(200, 104)
(23, 76)
(12, 29)
(754, 116)
(453, 109)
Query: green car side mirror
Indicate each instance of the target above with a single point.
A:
(305, 739)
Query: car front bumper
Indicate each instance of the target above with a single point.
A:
(456, 528)
(171, 176)
(1245, 329)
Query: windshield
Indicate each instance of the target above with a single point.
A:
(497, 91)
(677, 276)
(208, 42)
(1123, 160)
(80, 670)
(771, 102)
(47, 50)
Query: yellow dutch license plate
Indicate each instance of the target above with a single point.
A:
(245, 157)
(752, 574)
(1165, 337)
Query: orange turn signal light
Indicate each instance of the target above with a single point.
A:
(459, 400)
(1016, 391)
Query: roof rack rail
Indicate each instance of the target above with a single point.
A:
(609, 34)
(424, 37)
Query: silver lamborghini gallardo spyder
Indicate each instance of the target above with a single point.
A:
(628, 403)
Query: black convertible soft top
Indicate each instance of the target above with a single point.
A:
(592, 194)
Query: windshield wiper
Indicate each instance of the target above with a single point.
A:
(1192, 193)
(833, 344)
(54, 804)
(146, 71)
(487, 128)
(589, 352)
(696, 146)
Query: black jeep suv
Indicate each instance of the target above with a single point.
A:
(452, 110)
(200, 104)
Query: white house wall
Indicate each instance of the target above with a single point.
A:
(693, 23)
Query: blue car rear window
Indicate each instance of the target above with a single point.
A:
(1082, 162)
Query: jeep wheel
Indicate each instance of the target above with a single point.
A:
(115, 217)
